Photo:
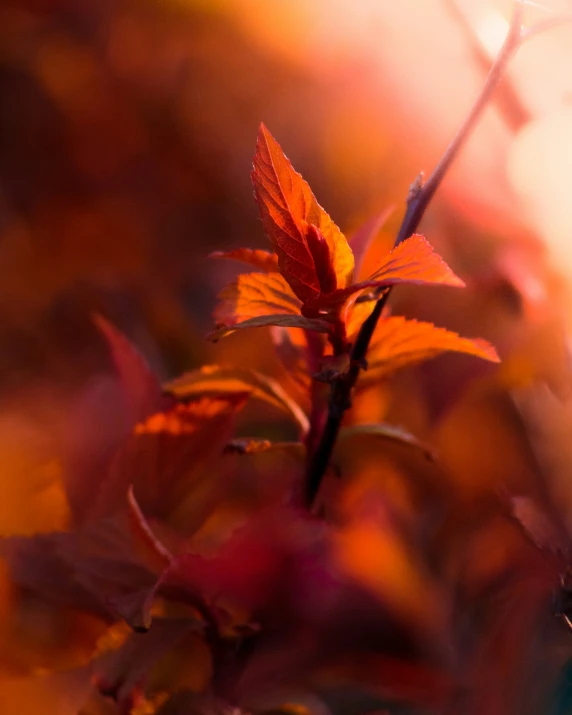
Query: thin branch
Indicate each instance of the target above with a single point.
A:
(419, 198)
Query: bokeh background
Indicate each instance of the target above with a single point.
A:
(127, 130)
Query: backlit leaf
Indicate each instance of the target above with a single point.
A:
(254, 295)
(286, 321)
(288, 207)
(413, 261)
(263, 260)
(291, 347)
(398, 342)
(223, 380)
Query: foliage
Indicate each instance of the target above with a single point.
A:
(171, 542)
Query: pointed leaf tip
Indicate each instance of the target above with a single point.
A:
(287, 208)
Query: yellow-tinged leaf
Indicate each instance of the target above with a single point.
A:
(288, 207)
(356, 314)
(223, 380)
(265, 261)
(398, 342)
(254, 295)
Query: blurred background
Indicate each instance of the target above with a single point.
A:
(127, 131)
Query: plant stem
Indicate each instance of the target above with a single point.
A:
(420, 196)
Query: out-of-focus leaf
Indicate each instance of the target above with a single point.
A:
(288, 207)
(361, 240)
(265, 261)
(255, 446)
(398, 342)
(355, 314)
(393, 679)
(105, 568)
(292, 349)
(32, 494)
(140, 385)
(384, 431)
(370, 551)
(55, 693)
(538, 526)
(254, 567)
(223, 380)
(120, 673)
(163, 457)
(287, 321)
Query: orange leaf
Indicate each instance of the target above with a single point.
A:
(254, 295)
(288, 207)
(224, 380)
(291, 348)
(287, 321)
(163, 457)
(398, 342)
(263, 260)
(413, 261)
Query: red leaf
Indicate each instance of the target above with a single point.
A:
(398, 342)
(322, 260)
(252, 568)
(140, 385)
(288, 207)
(165, 456)
(101, 568)
(263, 260)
